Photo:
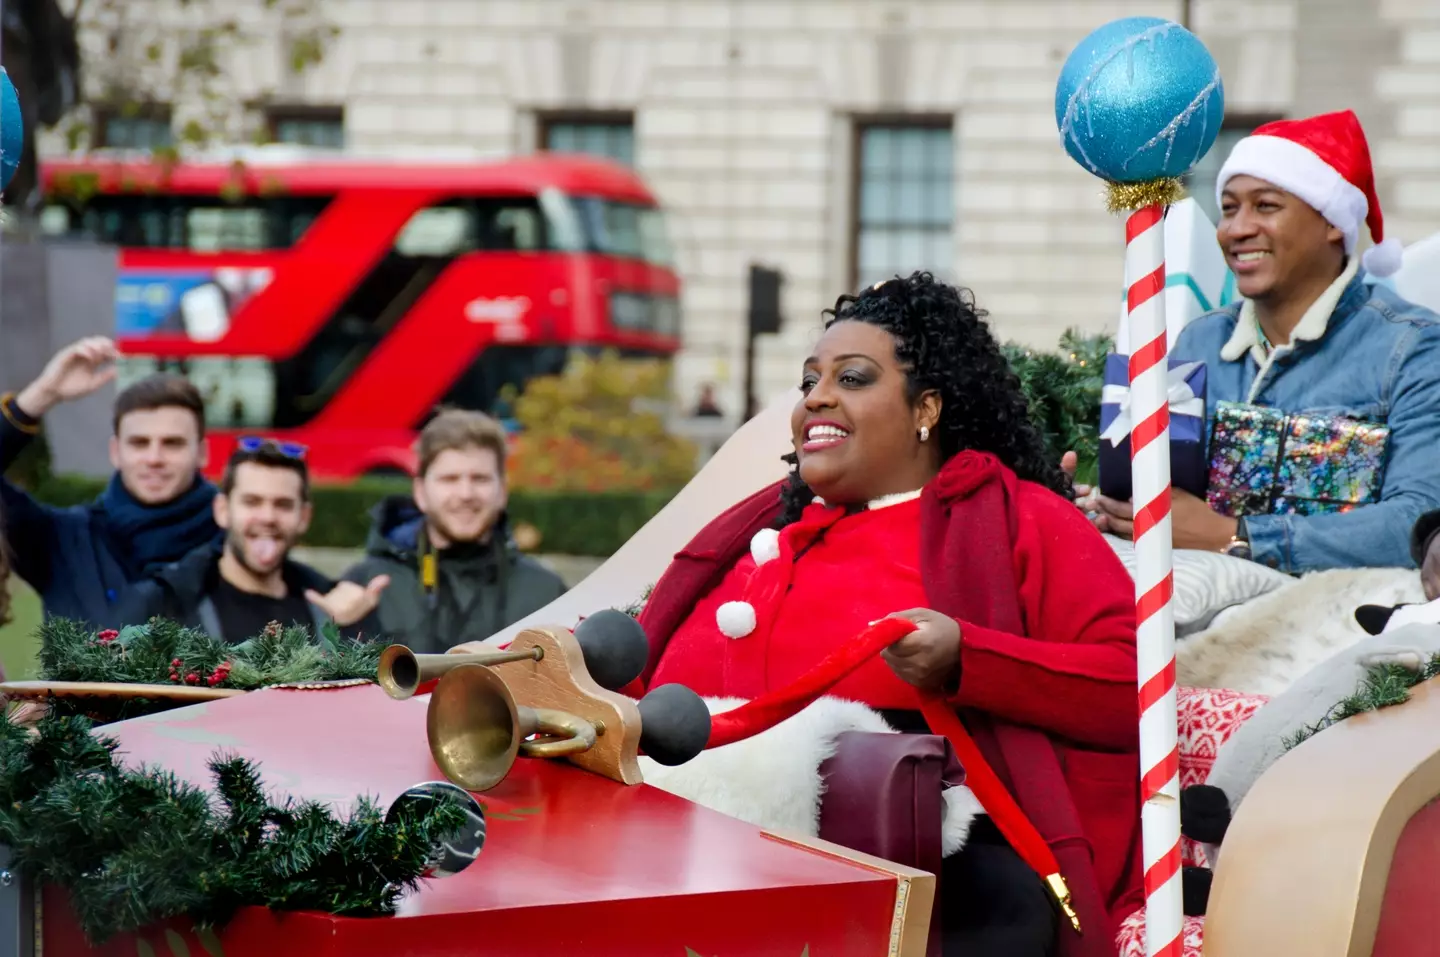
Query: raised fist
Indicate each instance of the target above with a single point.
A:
(72, 373)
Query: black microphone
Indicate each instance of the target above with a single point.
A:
(674, 724)
(614, 646)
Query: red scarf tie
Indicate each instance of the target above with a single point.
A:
(775, 706)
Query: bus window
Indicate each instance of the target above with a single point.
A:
(239, 391)
(437, 231)
(197, 223)
(479, 387)
(219, 228)
(625, 229)
(641, 312)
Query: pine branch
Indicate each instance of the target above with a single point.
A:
(1063, 390)
(164, 652)
(136, 846)
(1382, 687)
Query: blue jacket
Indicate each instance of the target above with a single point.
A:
(84, 560)
(1360, 351)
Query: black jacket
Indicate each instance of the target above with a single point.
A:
(1425, 528)
(181, 592)
(480, 588)
(85, 560)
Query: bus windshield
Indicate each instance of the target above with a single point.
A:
(624, 229)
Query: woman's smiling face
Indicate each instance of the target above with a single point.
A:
(855, 429)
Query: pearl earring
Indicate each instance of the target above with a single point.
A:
(924, 433)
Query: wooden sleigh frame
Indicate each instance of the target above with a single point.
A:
(1332, 854)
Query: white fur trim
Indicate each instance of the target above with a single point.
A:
(1264, 645)
(1427, 613)
(772, 780)
(885, 501)
(1293, 168)
(1385, 259)
(961, 809)
(736, 619)
(1312, 325)
(765, 546)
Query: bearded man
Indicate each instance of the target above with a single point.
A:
(456, 574)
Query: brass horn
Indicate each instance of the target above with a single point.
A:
(401, 672)
(476, 729)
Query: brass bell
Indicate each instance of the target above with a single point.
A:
(476, 730)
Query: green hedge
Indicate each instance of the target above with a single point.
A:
(570, 523)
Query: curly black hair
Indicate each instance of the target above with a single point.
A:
(943, 343)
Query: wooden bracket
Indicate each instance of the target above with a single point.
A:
(561, 681)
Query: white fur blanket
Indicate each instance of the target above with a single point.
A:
(1264, 645)
(772, 780)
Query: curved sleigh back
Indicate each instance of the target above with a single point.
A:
(747, 462)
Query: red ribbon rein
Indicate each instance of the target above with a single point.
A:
(775, 706)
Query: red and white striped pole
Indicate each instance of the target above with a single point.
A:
(1154, 612)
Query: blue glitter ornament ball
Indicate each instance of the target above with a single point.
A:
(1139, 100)
(12, 130)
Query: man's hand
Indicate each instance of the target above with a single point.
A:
(348, 602)
(1115, 517)
(1430, 569)
(928, 657)
(1192, 522)
(1069, 462)
(72, 373)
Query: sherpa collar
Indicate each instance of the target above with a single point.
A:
(1312, 325)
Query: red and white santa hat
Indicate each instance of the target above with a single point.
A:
(1325, 161)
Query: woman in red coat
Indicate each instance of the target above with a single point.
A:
(921, 489)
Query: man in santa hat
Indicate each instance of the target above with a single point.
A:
(1313, 334)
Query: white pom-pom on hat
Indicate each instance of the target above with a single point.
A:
(765, 546)
(735, 618)
(1384, 259)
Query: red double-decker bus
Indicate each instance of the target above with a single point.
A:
(336, 303)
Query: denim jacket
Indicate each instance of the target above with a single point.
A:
(1360, 351)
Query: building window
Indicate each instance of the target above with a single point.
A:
(905, 208)
(134, 127)
(318, 126)
(608, 135)
(1200, 181)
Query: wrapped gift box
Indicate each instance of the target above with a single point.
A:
(573, 863)
(1187, 428)
(1265, 461)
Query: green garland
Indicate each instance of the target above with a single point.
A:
(133, 847)
(164, 652)
(1064, 394)
(1383, 687)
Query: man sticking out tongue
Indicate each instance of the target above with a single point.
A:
(234, 588)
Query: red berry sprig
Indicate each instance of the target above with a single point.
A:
(221, 672)
(107, 636)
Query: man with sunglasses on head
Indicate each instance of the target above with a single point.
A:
(85, 559)
(235, 588)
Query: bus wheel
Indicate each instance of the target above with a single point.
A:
(385, 473)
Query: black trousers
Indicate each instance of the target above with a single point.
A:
(993, 904)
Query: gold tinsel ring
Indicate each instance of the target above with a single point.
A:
(1128, 197)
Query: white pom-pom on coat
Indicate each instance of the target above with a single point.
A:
(765, 546)
(735, 618)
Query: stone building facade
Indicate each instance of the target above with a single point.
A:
(839, 140)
